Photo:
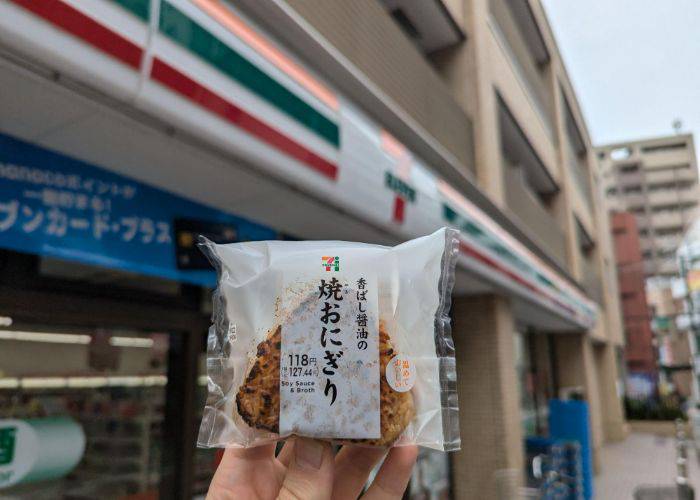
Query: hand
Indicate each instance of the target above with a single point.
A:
(306, 469)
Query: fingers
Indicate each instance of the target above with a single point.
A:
(233, 455)
(393, 475)
(310, 472)
(232, 476)
(285, 454)
(352, 467)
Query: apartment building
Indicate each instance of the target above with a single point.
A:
(657, 180)
(640, 352)
(372, 120)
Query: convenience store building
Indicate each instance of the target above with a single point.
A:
(127, 127)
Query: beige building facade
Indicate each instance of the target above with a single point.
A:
(657, 180)
(492, 108)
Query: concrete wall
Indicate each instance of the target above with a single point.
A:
(364, 33)
(490, 463)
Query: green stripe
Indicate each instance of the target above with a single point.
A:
(469, 227)
(190, 35)
(140, 8)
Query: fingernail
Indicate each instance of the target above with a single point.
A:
(308, 452)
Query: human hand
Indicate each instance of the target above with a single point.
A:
(306, 469)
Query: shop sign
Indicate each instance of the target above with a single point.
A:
(265, 101)
(38, 449)
(662, 323)
(57, 206)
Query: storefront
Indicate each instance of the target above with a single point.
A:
(125, 132)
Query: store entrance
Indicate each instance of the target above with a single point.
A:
(102, 372)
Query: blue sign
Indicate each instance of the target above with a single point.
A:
(57, 206)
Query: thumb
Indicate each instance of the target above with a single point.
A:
(310, 472)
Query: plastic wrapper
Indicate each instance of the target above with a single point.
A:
(334, 340)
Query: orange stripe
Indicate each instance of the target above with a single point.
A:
(239, 28)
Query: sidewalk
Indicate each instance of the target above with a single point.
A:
(642, 459)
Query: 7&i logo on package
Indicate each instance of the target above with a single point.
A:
(331, 263)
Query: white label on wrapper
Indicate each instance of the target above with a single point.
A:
(400, 373)
(329, 367)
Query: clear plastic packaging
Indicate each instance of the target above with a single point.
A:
(336, 340)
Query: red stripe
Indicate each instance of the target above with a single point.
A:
(84, 27)
(185, 86)
(399, 209)
(485, 259)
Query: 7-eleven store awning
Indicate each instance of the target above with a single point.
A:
(193, 98)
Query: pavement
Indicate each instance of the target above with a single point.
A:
(641, 459)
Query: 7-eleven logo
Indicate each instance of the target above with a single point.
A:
(402, 193)
(398, 183)
(331, 263)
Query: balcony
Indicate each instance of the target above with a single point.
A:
(645, 244)
(691, 194)
(668, 266)
(516, 31)
(670, 242)
(633, 199)
(527, 208)
(685, 174)
(580, 177)
(666, 219)
(649, 267)
(661, 176)
(665, 158)
(630, 178)
(590, 279)
(664, 197)
(433, 25)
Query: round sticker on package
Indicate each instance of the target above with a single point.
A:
(401, 373)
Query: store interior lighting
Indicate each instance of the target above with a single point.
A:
(57, 338)
(131, 342)
(69, 338)
(84, 382)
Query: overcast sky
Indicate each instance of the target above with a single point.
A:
(635, 64)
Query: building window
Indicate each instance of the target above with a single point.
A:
(612, 191)
(669, 231)
(628, 169)
(663, 185)
(682, 166)
(665, 208)
(665, 254)
(536, 384)
(632, 189)
(664, 147)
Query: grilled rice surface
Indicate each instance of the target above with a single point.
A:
(258, 399)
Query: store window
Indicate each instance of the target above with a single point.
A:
(431, 477)
(533, 361)
(81, 413)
